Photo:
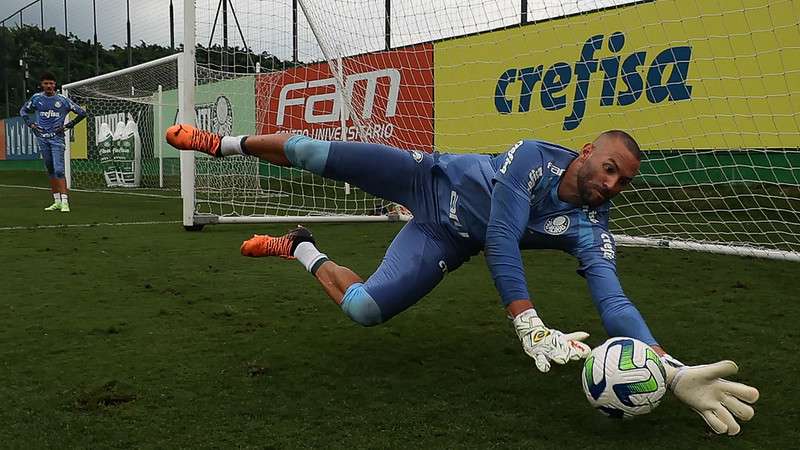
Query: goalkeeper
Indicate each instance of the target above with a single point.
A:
(536, 195)
(51, 112)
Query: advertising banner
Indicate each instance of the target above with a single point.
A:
(677, 75)
(391, 94)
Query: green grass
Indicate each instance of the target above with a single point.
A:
(150, 336)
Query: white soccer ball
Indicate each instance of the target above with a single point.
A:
(624, 378)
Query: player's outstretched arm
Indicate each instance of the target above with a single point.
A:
(717, 400)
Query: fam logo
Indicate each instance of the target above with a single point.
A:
(216, 117)
(369, 81)
(556, 225)
(622, 84)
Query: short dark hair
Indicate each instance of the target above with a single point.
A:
(627, 140)
(47, 76)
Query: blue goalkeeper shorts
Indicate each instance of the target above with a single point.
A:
(53, 155)
(426, 248)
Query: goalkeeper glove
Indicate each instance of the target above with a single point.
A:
(545, 344)
(705, 391)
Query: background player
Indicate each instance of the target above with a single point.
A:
(51, 111)
(536, 195)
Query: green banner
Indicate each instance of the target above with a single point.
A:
(226, 107)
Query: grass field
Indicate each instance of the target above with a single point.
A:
(149, 336)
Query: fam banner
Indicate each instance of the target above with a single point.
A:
(681, 74)
(391, 95)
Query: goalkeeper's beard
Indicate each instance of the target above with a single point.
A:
(590, 194)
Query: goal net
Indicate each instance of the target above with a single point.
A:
(120, 145)
(708, 89)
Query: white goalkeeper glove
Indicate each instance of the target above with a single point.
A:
(546, 344)
(705, 391)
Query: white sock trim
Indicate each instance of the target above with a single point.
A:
(64, 198)
(57, 197)
(231, 145)
(308, 254)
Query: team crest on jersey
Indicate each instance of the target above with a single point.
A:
(58, 104)
(556, 225)
(417, 155)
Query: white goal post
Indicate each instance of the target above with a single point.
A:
(120, 145)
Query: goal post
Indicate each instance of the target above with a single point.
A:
(120, 145)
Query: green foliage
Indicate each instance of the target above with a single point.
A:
(47, 50)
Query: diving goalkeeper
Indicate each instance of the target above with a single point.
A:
(536, 195)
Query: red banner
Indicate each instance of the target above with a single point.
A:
(391, 93)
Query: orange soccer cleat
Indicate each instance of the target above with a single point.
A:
(186, 137)
(283, 246)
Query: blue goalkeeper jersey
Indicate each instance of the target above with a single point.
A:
(50, 112)
(510, 202)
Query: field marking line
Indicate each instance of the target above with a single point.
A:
(92, 191)
(87, 225)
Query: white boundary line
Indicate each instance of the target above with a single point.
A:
(87, 225)
(91, 191)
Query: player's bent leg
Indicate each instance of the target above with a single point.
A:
(415, 262)
(358, 305)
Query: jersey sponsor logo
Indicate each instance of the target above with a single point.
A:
(510, 157)
(454, 217)
(554, 169)
(556, 225)
(533, 177)
(591, 214)
(607, 247)
(622, 84)
(49, 113)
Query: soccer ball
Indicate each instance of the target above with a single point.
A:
(624, 378)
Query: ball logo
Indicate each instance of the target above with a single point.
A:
(556, 225)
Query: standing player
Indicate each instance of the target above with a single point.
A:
(51, 111)
(536, 195)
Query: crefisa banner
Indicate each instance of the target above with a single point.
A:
(683, 74)
(390, 92)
